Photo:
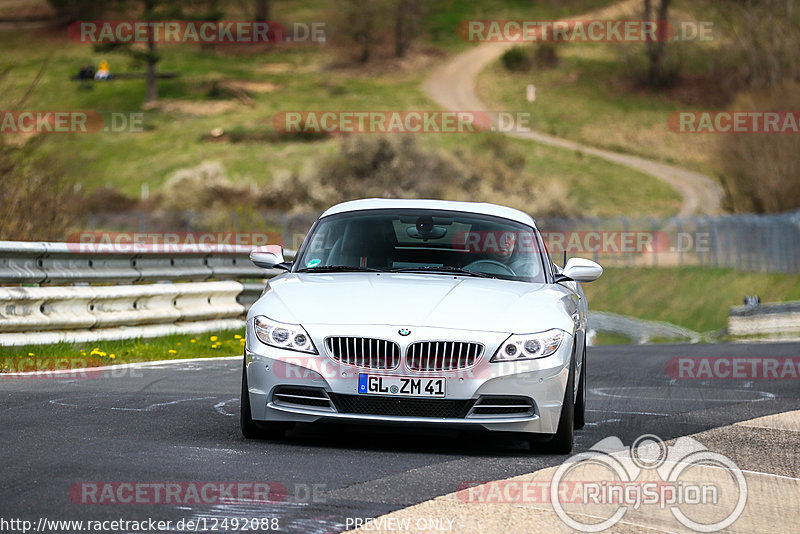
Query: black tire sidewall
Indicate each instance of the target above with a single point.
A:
(580, 405)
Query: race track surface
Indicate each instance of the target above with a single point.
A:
(178, 422)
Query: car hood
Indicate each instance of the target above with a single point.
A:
(433, 300)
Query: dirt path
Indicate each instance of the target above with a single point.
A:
(453, 86)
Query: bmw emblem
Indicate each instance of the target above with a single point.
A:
(404, 331)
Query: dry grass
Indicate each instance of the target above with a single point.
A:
(400, 167)
(760, 170)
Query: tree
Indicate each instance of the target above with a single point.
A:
(262, 10)
(766, 37)
(72, 10)
(655, 48)
(406, 25)
(369, 22)
(36, 199)
(362, 17)
(152, 11)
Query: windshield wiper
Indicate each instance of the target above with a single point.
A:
(338, 269)
(443, 269)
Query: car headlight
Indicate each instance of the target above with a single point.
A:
(529, 346)
(282, 335)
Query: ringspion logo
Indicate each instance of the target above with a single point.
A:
(703, 490)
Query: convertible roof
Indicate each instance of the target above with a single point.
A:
(448, 205)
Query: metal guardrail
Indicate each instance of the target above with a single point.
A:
(759, 243)
(765, 319)
(62, 293)
(640, 331)
(65, 263)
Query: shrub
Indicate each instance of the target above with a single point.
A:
(516, 59)
(766, 37)
(72, 10)
(108, 199)
(398, 167)
(37, 203)
(545, 55)
(200, 188)
(760, 170)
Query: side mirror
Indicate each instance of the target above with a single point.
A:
(268, 257)
(580, 270)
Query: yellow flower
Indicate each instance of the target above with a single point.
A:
(113, 356)
(101, 354)
(214, 338)
(192, 341)
(172, 351)
(237, 336)
(31, 354)
(179, 343)
(83, 353)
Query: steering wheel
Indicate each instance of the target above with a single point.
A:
(491, 263)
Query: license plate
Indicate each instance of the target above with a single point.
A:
(401, 386)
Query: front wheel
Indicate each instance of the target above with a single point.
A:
(561, 443)
(580, 404)
(250, 428)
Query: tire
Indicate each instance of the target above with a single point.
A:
(580, 404)
(561, 442)
(252, 429)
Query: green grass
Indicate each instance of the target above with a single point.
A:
(585, 99)
(442, 17)
(697, 298)
(597, 187)
(172, 139)
(593, 95)
(67, 356)
(610, 338)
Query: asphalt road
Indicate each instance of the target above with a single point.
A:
(179, 422)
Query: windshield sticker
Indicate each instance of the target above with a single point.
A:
(313, 263)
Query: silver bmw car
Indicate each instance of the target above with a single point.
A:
(419, 312)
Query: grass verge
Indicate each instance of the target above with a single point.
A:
(697, 298)
(174, 347)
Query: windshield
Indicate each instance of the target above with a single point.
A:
(433, 241)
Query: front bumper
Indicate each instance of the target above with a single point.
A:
(472, 395)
